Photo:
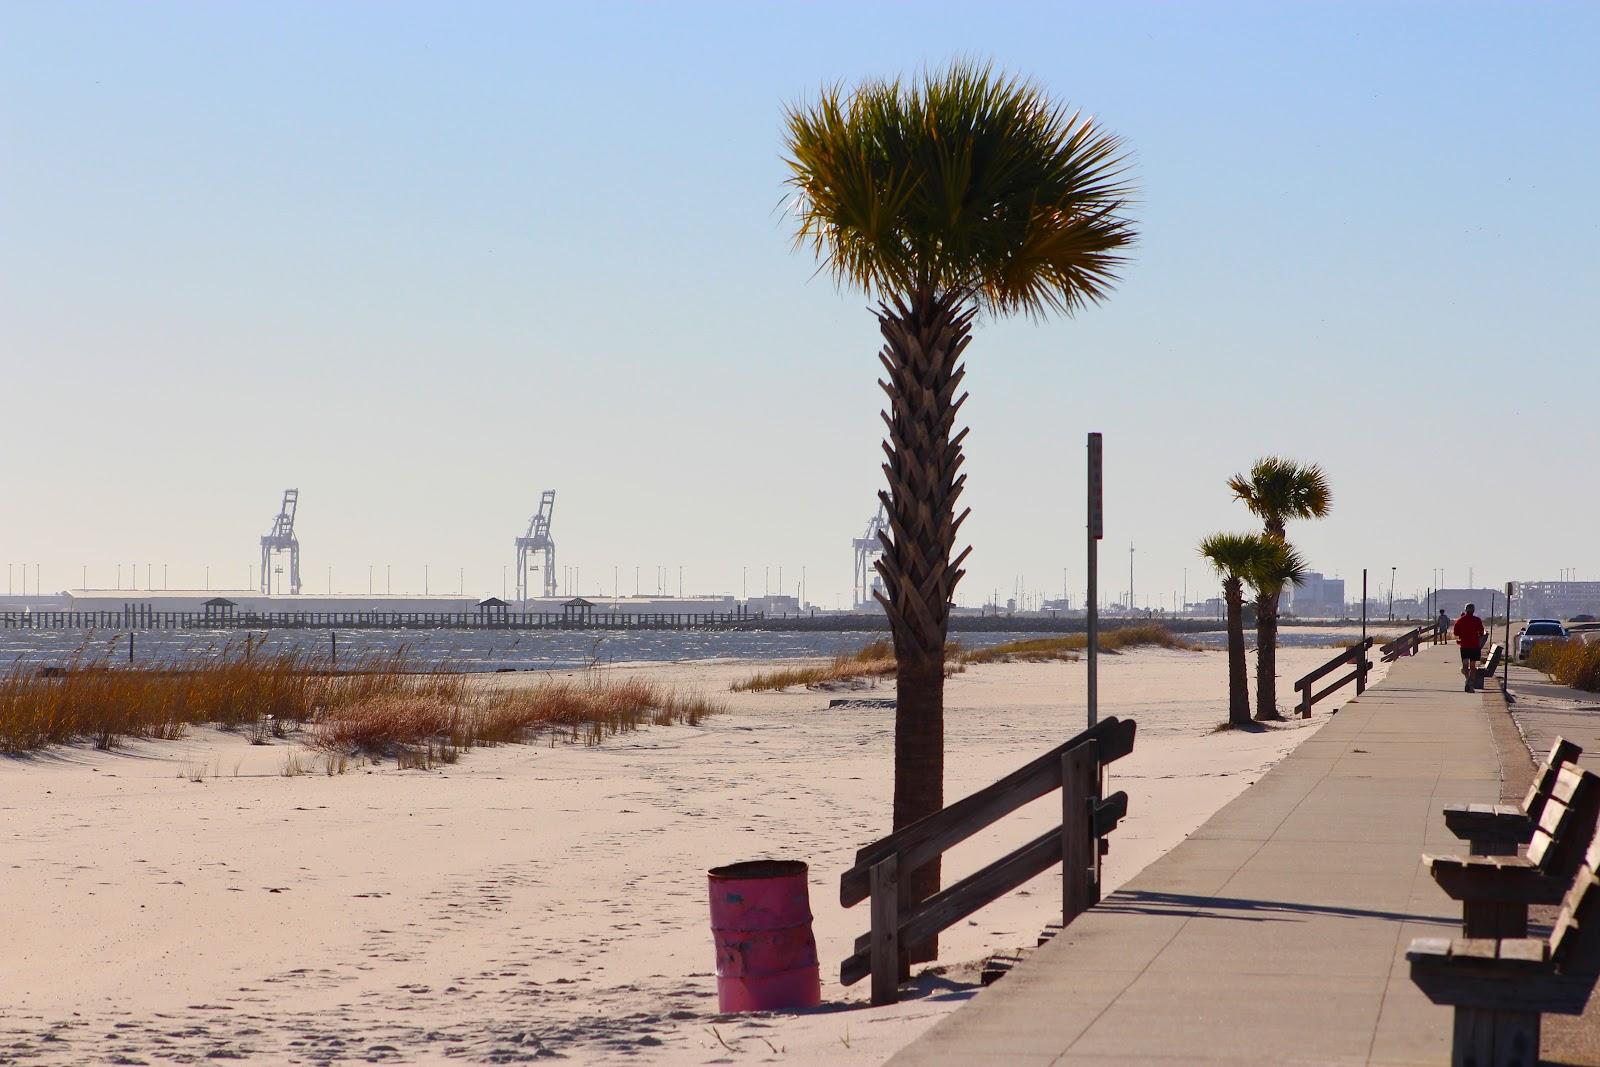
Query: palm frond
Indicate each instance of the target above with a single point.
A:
(1234, 555)
(1279, 489)
(963, 181)
(1278, 564)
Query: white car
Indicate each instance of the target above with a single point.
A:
(1538, 630)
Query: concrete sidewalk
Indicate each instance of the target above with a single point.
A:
(1277, 932)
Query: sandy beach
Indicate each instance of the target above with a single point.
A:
(177, 901)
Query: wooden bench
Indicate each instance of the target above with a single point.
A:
(1489, 667)
(1498, 829)
(1495, 891)
(1501, 987)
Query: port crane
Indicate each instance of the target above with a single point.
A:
(281, 538)
(868, 547)
(534, 543)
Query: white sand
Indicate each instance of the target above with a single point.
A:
(533, 899)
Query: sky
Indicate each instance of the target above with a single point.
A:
(422, 261)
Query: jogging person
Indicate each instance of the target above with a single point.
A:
(1469, 632)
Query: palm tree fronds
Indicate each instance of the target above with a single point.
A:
(1278, 564)
(967, 181)
(1279, 489)
(1234, 555)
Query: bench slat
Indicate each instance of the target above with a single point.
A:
(1539, 848)
(1505, 879)
(1524, 950)
(1568, 781)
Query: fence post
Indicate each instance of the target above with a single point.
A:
(1080, 774)
(885, 950)
(1361, 668)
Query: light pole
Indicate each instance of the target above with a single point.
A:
(1391, 593)
(1130, 579)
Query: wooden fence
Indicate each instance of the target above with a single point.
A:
(1356, 654)
(1408, 643)
(1077, 844)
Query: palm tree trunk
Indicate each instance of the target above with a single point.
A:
(924, 337)
(1238, 674)
(1267, 657)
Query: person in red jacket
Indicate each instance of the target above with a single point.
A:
(1469, 633)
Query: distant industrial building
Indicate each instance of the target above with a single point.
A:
(775, 606)
(1318, 597)
(1557, 600)
(1454, 601)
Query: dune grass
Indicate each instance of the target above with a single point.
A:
(1068, 646)
(381, 706)
(876, 660)
(586, 710)
(873, 660)
(1572, 662)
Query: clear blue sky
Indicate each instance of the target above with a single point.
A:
(422, 261)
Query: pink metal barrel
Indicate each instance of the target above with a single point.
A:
(761, 923)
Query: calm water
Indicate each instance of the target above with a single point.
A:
(485, 650)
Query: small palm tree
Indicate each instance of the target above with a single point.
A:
(1277, 490)
(1234, 557)
(964, 191)
(1279, 565)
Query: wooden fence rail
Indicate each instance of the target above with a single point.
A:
(1409, 642)
(1356, 654)
(1086, 818)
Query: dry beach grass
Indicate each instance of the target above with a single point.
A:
(383, 706)
(876, 659)
(1572, 662)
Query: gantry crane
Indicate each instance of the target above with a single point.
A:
(538, 539)
(282, 539)
(868, 547)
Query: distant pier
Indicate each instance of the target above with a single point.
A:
(138, 618)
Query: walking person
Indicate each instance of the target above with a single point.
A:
(1443, 625)
(1469, 633)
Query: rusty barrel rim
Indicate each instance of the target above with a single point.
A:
(752, 869)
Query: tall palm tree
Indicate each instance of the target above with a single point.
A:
(1277, 490)
(1279, 565)
(1234, 557)
(961, 191)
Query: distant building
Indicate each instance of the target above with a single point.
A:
(1557, 600)
(1318, 597)
(775, 606)
(1454, 601)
